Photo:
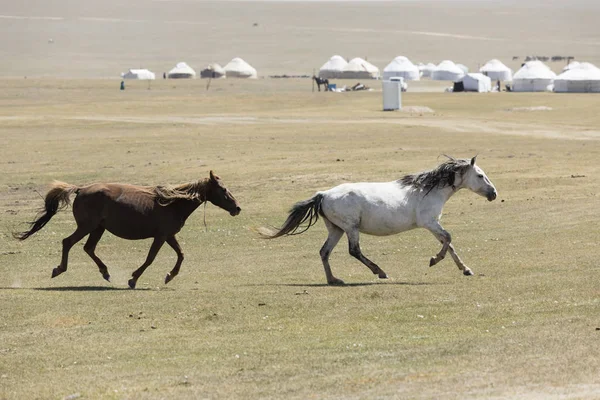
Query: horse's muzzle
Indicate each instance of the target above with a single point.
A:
(235, 212)
(492, 196)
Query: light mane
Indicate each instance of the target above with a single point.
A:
(439, 177)
(195, 191)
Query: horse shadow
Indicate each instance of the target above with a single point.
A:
(75, 289)
(346, 285)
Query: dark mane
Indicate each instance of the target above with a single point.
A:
(439, 177)
(166, 195)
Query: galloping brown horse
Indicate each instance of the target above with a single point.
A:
(130, 212)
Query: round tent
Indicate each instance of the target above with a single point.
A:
(534, 76)
(181, 71)
(214, 71)
(401, 66)
(333, 68)
(447, 71)
(583, 78)
(427, 69)
(358, 68)
(496, 70)
(142, 74)
(238, 68)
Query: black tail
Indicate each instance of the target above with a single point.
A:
(56, 199)
(303, 215)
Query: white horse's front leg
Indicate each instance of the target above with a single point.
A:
(443, 236)
(461, 265)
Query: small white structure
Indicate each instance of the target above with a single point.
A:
(392, 94)
(477, 82)
(181, 71)
(401, 66)
(357, 68)
(534, 76)
(496, 70)
(447, 71)
(238, 68)
(141, 74)
(333, 68)
(213, 71)
(427, 69)
(581, 78)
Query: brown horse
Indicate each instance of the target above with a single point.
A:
(130, 212)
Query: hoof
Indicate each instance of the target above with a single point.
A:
(335, 282)
(468, 272)
(432, 262)
(57, 271)
(382, 275)
(132, 283)
(168, 278)
(106, 276)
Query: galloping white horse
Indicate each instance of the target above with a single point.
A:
(387, 208)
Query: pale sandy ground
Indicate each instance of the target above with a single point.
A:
(105, 38)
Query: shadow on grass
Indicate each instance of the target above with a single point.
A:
(75, 288)
(356, 284)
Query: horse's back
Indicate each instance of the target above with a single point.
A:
(376, 208)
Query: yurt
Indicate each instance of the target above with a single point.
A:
(238, 68)
(583, 78)
(401, 66)
(447, 71)
(142, 74)
(333, 68)
(534, 76)
(477, 82)
(214, 71)
(181, 71)
(426, 69)
(496, 70)
(358, 68)
(464, 68)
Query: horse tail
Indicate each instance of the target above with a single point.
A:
(303, 215)
(56, 199)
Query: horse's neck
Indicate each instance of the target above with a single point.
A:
(186, 207)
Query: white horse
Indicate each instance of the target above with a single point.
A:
(387, 208)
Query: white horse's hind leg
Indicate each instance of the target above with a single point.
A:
(461, 265)
(354, 249)
(335, 233)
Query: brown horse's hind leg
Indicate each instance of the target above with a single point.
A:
(67, 243)
(156, 245)
(175, 245)
(90, 248)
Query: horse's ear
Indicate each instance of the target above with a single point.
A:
(213, 177)
(473, 161)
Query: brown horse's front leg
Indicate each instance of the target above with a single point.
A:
(175, 245)
(156, 245)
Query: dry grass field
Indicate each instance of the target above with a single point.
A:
(248, 318)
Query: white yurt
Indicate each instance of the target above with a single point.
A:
(496, 70)
(464, 68)
(401, 66)
(426, 69)
(447, 71)
(534, 76)
(181, 71)
(357, 68)
(477, 82)
(142, 74)
(333, 68)
(238, 68)
(583, 78)
(214, 71)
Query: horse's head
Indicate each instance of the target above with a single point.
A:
(477, 181)
(218, 194)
